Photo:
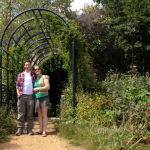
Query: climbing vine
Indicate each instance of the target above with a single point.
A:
(62, 39)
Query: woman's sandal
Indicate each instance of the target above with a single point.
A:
(44, 135)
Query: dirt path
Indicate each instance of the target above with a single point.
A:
(37, 142)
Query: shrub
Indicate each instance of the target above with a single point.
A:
(94, 107)
(129, 94)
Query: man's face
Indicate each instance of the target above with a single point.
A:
(27, 66)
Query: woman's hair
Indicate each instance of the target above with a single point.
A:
(26, 61)
(36, 66)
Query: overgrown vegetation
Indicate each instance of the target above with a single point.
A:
(94, 136)
(7, 123)
(115, 117)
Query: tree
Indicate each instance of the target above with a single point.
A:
(129, 22)
(101, 42)
(89, 8)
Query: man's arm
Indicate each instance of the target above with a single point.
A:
(17, 85)
(17, 90)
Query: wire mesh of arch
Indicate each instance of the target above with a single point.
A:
(30, 32)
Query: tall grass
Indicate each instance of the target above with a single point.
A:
(98, 137)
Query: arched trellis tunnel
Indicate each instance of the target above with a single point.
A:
(28, 26)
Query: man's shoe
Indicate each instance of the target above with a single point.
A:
(19, 132)
(29, 131)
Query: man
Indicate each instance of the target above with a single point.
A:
(24, 88)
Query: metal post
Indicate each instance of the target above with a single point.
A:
(0, 75)
(13, 89)
(74, 72)
(7, 98)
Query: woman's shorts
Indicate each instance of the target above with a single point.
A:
(41, 102)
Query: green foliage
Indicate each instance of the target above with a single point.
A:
(89, 8)
(101, 137)
(104, 54)
(94, 107)
(61, 43)
(129, 94)
(61, 50)
(11, 66)
(66, 103)
(122, 36)
(7, 123)
(66, 133)
(17, 56)
(129, 21)
(52, 63)
(62, 40)
(50, 110)
(14, 63)
(116, 116)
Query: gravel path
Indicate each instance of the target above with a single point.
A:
(37, 142)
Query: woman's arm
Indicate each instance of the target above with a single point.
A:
(46, 86)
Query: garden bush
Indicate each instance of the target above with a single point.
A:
(129, 94)
(94, 107)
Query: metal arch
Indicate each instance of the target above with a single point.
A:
(44, 24)
(44, 58)
(39, 52)
(1, 44)
(37, 41)
(17, 29)
(26, 31)
(40, 56)
(33, 36)
(19, 38)
(41, 9)
(44, 33)
(38, 47)
(30, 37)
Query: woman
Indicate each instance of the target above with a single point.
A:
(41, 87)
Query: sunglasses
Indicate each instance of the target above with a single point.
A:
(37, 69)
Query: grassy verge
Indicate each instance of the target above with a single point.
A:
(97, 137)
(7, 124)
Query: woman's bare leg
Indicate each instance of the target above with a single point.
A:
(44, 118)
(40, 120)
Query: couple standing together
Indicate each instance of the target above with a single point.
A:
(32, 84)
